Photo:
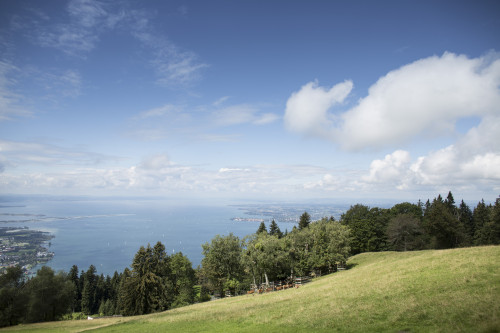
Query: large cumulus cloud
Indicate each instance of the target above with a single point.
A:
(425, 97)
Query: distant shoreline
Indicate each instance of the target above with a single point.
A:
(247, 219)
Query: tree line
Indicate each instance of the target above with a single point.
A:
(436, 224)
(231, 265)
(157, 281)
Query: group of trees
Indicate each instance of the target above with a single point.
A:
(45, 297)
(232, 265)
(438, 224)
(156, 282)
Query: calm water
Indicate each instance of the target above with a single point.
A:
(108, 233)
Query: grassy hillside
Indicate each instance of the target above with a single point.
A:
(425, 291)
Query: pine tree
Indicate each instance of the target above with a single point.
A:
(262, 228)
(73, 277)
(305, 220)
(274, 229)
(442, 226)
(88, 303)
(480, 217)
(467, 223)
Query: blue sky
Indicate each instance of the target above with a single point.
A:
(282, 100)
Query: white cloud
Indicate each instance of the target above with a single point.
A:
(167, 109)
(220, 101)
(242, 114)
(307, 110)
(473, 162)
(425, 97)
(156, 162)
(392, 169)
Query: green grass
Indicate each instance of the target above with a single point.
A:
(425, 291)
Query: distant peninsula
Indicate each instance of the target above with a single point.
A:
(24, 247)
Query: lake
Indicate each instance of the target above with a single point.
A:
(107, 233)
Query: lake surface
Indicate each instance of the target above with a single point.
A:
(108, 233)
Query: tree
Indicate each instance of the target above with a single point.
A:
(467, 223)
(480, 217)
(262, 228)
(222, 261)
(442, 226)
(329, 245)
(368, 228)
(73, 277)
(404, 231)
(274, 229)
(494, 224)
(304, 221)
(450, 203)
(88, 304)
(182, 279)
(13, 299)
(407, 208)
(264, 255)
(145, 290)
(51, 295)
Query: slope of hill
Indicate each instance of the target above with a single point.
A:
(426, 291)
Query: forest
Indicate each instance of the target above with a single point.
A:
(156, 281)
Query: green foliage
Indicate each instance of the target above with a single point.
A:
(304, 221)
(13, 299)
(222, 261)
(88, 304)
(368, 228)
(442, 226)
(182, 279)
(404, 232)
(262, 228)
(263, 256)
(318, 248)
(51, 295)
(274, 229)
(466, 223)
(146, 290)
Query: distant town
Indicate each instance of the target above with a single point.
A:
(287, 213)
(24, 247)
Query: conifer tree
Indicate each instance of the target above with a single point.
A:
(89, 291)
(262, 228)
(274, 229)
(304, 221)
(467, 223)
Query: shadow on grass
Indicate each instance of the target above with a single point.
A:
(350, 265)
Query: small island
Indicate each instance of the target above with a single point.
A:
(24, 247)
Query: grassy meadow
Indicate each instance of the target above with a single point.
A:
(424, 291)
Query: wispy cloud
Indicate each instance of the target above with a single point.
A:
(10, 102)
(242, 114)
(79, 32)
(172, 65)
(24, 154)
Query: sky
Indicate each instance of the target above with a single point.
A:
(250, 100)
